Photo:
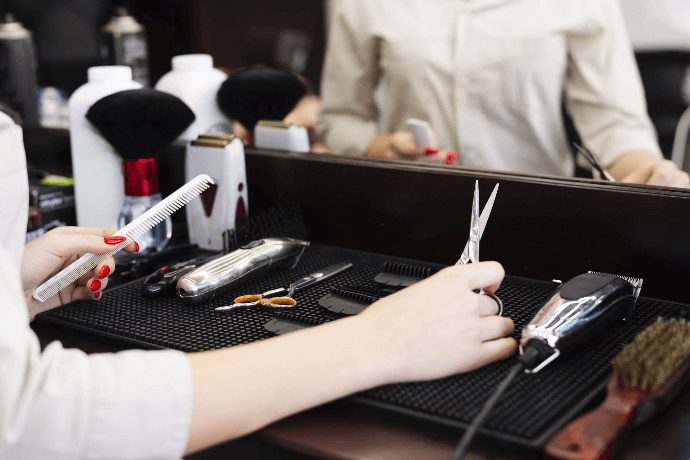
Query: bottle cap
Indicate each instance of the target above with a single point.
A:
(109, 73)
(188, 62)
(141, 177)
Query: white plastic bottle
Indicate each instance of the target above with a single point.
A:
(97, 168)
(194, 80)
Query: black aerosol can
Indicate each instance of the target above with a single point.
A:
(125, 44)
(18, 86)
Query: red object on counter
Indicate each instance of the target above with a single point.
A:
(141, 177)
(451, 157)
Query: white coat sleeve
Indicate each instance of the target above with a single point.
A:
(62, 404)
(348, 117)
(604, 91)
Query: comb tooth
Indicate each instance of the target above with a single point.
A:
(304, 321)
(138, 227)
(354, 296)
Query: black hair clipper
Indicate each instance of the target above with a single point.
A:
(579, 310)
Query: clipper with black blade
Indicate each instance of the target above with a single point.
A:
(579, 310)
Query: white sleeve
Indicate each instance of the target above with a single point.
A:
(348, 116)
(604, 89)
(64, 404)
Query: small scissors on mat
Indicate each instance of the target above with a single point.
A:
(287, 302)
(477, 225)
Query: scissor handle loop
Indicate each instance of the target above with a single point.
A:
(248, 298)
(279, 303)
(496, 299)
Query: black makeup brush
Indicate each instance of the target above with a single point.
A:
(140, 124)
(260, 93)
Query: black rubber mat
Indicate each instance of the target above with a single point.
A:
(529, 412)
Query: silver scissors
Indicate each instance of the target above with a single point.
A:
(477, 225)
(268, 299)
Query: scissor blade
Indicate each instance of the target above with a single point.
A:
(483, 218)
(474, 226)
(318, 276)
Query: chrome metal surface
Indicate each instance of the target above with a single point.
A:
(564, 322)
(486, 212)
(239, 266)
(477, 225)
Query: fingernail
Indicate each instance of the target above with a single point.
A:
(451, 157)
(114, 239)
(104, 271)
(136, 247)
(95, 285)
(431, 151)
(516, 341)
(97, 295)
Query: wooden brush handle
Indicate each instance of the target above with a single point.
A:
(597, 435)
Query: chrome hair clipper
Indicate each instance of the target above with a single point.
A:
(579, 310)
(226, 272)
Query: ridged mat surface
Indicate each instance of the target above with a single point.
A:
(533, 406)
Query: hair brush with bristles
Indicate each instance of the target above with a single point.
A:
(260, 93)
(648, 374)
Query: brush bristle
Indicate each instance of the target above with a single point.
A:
(139, 123)
(260, 93)
(653, 355)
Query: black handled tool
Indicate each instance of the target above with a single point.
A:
(163, 281)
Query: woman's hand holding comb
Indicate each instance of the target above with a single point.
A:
(47, 255)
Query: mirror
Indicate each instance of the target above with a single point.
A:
(507, 131)
(293, 35)
(505, 81)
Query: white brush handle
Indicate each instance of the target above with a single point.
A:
(131, 231)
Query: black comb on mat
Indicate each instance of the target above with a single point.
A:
(403, 275)
(287, 322)
(348, 301)
(282, 221)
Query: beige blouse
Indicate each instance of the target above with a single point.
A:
(490, 76)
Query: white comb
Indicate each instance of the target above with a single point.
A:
(131, 231)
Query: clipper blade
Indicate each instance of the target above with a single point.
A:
(636, 282)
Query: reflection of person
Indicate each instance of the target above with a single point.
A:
(490, 76)
(159, 404)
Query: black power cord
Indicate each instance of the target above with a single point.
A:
(535, 352)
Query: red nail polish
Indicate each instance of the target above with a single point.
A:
(451, 157)
(114, 239)
(95, 285)
(136, 247)
(104, 271)
(431, 151)
(97, 295)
